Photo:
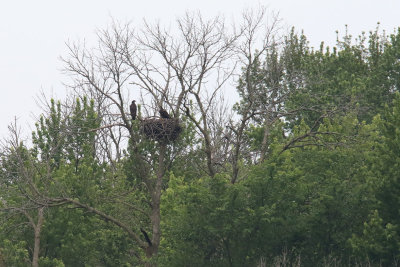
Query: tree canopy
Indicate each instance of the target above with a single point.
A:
(302, 170)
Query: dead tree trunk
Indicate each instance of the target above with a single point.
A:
(155, 216)
(37, 229)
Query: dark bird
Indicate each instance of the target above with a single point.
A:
(164, 114)
(133, 110)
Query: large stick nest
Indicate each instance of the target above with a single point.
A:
(160, 129)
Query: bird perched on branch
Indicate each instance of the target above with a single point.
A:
(164, 114)
(133, 109)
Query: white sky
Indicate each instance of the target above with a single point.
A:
(33, 34)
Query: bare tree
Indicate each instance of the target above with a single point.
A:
(184, 70)
(257, 40)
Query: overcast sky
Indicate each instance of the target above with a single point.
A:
(33, 34)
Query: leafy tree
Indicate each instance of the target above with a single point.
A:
(380, 239)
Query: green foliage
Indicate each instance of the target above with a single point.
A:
(48, 139)
(308, 201)
(380, 239)
(211, 214)
(82, 133)
(80, 239)
(378, 242)
(14, 253)
(46, 262)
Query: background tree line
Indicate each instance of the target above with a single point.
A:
(301, 171)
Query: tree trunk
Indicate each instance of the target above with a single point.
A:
(264, 144)
(37, 229)
(155, 217)
(210, 165)
(235, 157)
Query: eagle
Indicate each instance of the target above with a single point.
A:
(164, 114)
(133, 109)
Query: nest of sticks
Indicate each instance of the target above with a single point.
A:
(160, 129)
